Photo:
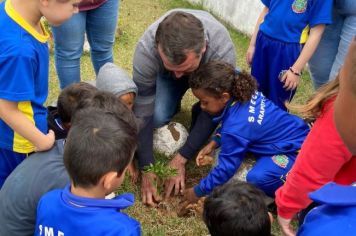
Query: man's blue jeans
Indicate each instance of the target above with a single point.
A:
(99, 24)
(169, 93)
(330, 54)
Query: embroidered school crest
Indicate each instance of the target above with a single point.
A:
(299, 6)
(280, 160)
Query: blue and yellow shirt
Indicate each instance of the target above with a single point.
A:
(286, 19)
(24, 63)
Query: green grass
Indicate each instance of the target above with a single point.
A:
(133, 20)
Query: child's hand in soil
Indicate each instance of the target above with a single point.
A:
(204, 160)
(190, 196)
(206, 151)
(192, 208)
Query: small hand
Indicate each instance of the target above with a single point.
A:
(149, 193)
(204, 160)
(185, 207)
(176, 182)
(249, 54)
(290, 80)
(205, 151)
(286, 226)
(46, 143)
(190, 196)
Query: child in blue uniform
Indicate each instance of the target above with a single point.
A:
(24, 62)
(275, 53)
(98, 150)
(335, 216)
(249, 123)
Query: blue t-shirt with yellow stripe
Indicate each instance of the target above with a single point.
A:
(24, 63)
(286, 19)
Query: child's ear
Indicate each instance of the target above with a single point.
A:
(225, 97)
(109, 180)
(67, 125)
(204, 48)
(270, 217)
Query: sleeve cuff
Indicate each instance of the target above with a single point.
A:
(145, 162)
(285, 214)
(199, 192)
(187, 152)
(217, 139)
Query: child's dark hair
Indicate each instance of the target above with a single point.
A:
(110, 103)
(237, 208)
(71, 96)
(100, 140)
(217, 77)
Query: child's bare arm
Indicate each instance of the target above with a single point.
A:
(291, 79)
(14, 118)
(251, 49)
(345, 104)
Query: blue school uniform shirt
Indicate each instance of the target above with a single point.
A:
(335, 216)
(59, 212)
(257, 126)
(287, 19)
(24, 62)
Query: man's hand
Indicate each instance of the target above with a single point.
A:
(286, 227)
(176, 182)
(149, 193)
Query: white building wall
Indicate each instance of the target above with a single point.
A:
(240, 14)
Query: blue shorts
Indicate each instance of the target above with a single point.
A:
(8, 162)
(270, 59)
